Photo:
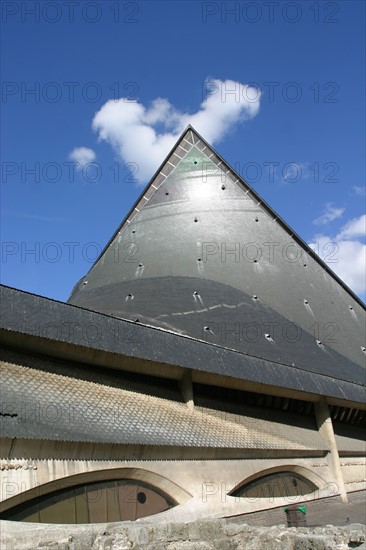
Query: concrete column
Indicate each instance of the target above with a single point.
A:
(326, 431)
(186, 387)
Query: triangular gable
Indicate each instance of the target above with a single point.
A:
(201, 254)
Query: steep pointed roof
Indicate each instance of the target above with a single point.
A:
(202, 255)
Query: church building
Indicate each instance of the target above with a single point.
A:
(208, 365)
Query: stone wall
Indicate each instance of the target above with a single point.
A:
(218, 534)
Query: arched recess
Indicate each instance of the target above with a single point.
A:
(279, 481)
(141, 491)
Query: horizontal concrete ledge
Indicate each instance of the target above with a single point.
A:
(40, 449)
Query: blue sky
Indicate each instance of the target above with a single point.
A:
(301, 145)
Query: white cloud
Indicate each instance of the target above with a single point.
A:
(82, 156)
(359, 190)
(145, 135)
(345, 253)
(354, 228)
(330, 213)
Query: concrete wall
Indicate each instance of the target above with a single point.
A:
(199, 479)
(200, 486)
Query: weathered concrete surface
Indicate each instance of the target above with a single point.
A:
(218, 534)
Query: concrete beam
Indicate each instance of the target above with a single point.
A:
(186, 388)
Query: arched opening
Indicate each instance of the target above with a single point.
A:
(273, 483)
(94, 502)
(119, 493)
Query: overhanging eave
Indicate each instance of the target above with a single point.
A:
(52, 328)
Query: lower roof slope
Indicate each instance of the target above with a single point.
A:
(52, 406)
(50, 328)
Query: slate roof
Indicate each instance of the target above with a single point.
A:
(50, 406)
(53, 328)
(166, 291)
(183, 260)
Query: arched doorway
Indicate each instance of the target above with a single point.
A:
(278, 482)
(94, 502)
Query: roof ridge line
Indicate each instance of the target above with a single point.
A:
(241, 181)
(281, 221)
